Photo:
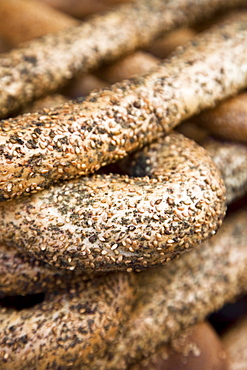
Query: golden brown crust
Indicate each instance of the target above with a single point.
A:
(228, 120)
(75, 139)
(173, 297)
(66, 329)
(169, 299)
(112, 222)
(83, 85)
(23, 20)
(47, 64)
(166, 44)
(127, 67)
(81, 9)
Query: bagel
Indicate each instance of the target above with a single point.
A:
(109, 222)
(67, 329)
(46, 64)
(75, 139)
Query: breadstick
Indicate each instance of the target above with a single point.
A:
(46, 64)
(228, 120)
(117, 223)
(65, 330)
(23, 20)
(78, 138)
(185, 291)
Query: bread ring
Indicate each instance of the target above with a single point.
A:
(66, 330)
(66, 142)
(109, 222)
(46, 64)
(173, 297)
(169, 299)
(20, 274)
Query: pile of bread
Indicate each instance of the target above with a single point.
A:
(123, 165)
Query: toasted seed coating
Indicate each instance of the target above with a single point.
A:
(181, 293)
(21, 274)
(44, 65)
(75, 139)
(66, 330)
(231, 160)
(228, 120)
(113, 222)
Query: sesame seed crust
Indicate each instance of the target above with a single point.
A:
(113, 222)
(67, 329)
(21, 274)
(77, 138)
(44, 65)
(171, 298)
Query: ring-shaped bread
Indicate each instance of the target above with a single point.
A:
(113, 222)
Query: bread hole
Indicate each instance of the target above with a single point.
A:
(19, 302)
(227, 316)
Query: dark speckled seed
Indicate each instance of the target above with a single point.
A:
(21, 275)
(86, 327)
(67, 328)
(109, 127)
(179, 205)
(47, 63)
(173, 297)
